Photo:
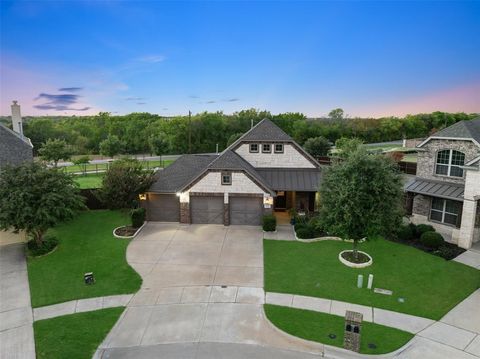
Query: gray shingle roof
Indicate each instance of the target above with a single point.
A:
(265, 130)
(436, 189)
(14, 149)
(462, 129)
(180, 173)
(298, 179)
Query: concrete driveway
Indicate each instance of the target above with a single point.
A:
(201, 284)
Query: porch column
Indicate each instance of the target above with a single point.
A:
(226, 210)
(467, 226)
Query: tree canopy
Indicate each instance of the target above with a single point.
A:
(54, 150)
(317, 146)
(34, 198)
(111, 146)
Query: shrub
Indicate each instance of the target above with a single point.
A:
(298, 226)
(405, 233)
(431, 239)
(305, 232)
(138, 217)
(413, 228)
(49, 242)
(422, 228)
(269, 223)
(448, 251)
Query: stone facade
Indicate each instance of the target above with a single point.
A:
(421, 205)
(290, 158)
(226, 214)
(185, 212)
(211, 183)
(13, 150)
(427, 158)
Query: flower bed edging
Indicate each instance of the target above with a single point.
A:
(128, 237)
(355, 265)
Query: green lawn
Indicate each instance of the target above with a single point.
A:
(89, 181)
(430, 285)
(104, 166)
(86, 245)
(74, 336)
(317, 327)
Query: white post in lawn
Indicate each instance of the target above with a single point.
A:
(360, 281)
(370, 281)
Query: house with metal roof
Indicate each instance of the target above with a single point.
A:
(446, 190)
(264, 171)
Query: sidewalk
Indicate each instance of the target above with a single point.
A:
(16, 329)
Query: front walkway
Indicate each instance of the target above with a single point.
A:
(471, 257)
(16, 330)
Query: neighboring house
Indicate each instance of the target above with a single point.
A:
(446, 190)
(15, 148)
(265, 170)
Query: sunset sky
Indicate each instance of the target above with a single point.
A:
(369, 58)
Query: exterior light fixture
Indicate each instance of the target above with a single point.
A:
(142, 196)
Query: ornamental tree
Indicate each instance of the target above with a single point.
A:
(55, 150)
(123, 182)
(361, 196)
(34, 198)
(317, 146)
(111, 146)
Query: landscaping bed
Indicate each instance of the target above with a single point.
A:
(428, 285)
(125, 231)
(329, 329)
(86, 244)
(74, 336)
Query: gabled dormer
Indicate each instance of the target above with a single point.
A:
(267, 146)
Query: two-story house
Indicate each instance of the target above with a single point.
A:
(446, 189)
(265, 170)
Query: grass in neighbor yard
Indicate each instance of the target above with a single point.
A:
(103, 166)
(89, 181)
(74, 336)
(317, 327)
(430, 285)
(86, 244)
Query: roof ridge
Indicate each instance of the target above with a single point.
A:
(21, 137)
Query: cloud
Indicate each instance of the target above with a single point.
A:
(141, 103)
(231, 100)
(61, 102)
(165, 109)
(70, 89)
(60, 108)
(211, 101)
(134, 98)
(152, 59)
(193, 96)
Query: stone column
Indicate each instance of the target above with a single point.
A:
(185, 208)
(468, 223)
(226, 210)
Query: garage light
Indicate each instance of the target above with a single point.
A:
(178, 194)
(142, 196)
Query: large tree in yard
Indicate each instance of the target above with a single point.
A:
(55, 150)
(361, 196)
(123, 182)
(34, 198)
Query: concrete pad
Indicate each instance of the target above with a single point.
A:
(12, 258)
(55, 310)
(239, 276)
(169, 295)
(246, 252)
(116, 300)
(199, 253)
(201, 233)
(157, 232)
(14, 291)
(408, 323)
(196, 294)
(474, 346)
(175, 323)
(17, 343)
(250, 295)
(466, 315)
(311, 303)
(146, 251)
(340, 308)
(281, 299)
(469, 258)
(143, 269)
(284, 233)
(15, 318)
(449, 335)
(130, 328)
(144, 297)
(171, 275)
(422, 348)
(88, 305)
(223, 295)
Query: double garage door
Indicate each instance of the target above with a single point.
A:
(243, 210)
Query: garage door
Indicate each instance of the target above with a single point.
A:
(163, 208)
(246, 210)
(207, 209)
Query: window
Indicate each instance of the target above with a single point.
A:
(445, 211)
(449, 162)
(226, 178)
(266, 148)
(279, 148)
(254, 147)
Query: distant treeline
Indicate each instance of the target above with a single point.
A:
(208, 129)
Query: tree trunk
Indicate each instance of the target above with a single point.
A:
(355, 250)
(38, 237)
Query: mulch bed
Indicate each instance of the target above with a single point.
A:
(447, 250)
(362, 258)
(126, 231)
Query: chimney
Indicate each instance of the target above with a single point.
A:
(17, 118)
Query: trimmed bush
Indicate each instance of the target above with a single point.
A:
(405, 233)
(432, 240)
(305, 232)
(449, 251)
(413, 229)
(422, 228)
(269, 223)
(49, 242)
(138, 217)
(299, 226)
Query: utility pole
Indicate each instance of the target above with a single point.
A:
(189, 131)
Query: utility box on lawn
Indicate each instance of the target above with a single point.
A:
(353, 328)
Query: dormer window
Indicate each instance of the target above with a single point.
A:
(266, 148)
(279, 148)
(254, 147)
(226, 178)
(449, 163)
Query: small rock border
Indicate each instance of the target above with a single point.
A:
(355, 265)
(127, 237)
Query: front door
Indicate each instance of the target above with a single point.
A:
(280, 202)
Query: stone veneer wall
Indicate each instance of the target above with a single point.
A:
(426, 160)
(421, 205)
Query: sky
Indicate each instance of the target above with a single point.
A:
(369, 58)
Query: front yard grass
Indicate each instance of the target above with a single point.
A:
(430, 285)
(74, 336)
(317, 327)
(86, 244)
(89, 181)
